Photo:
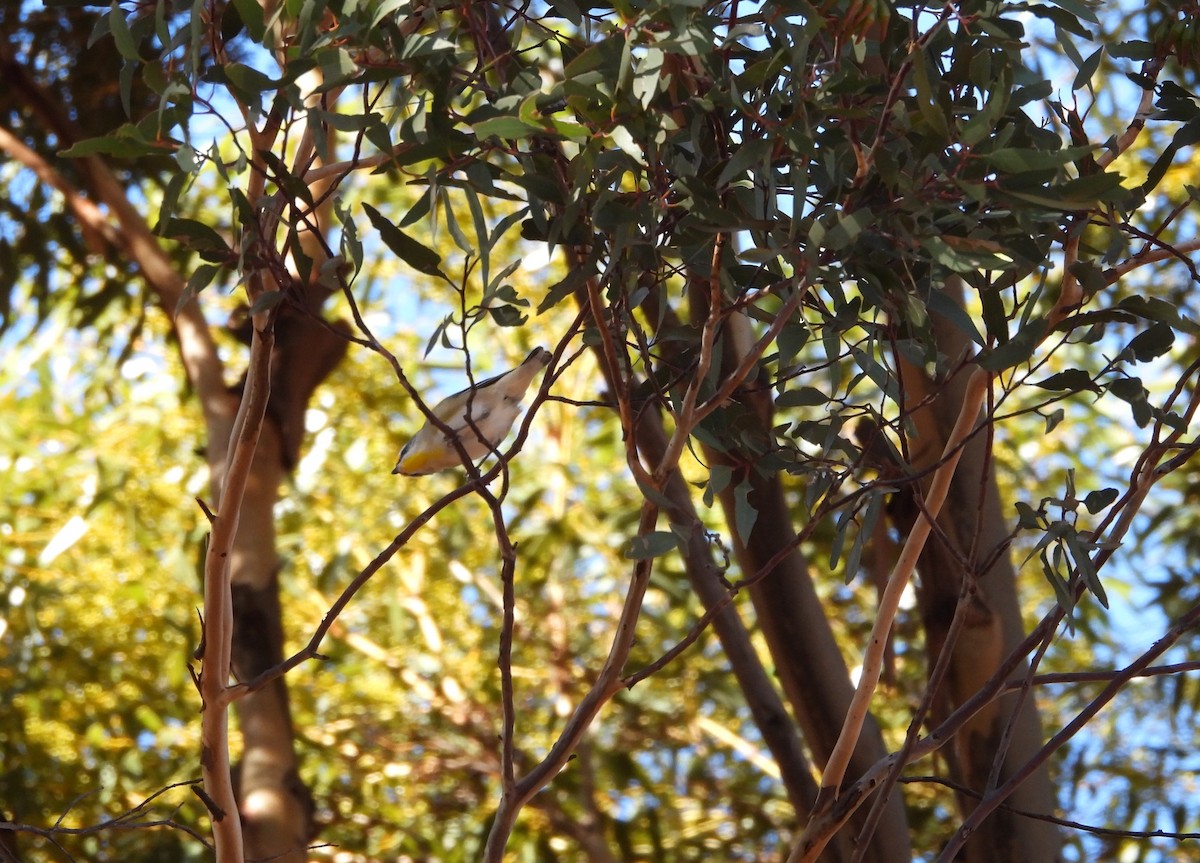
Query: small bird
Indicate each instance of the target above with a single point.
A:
(493, 404)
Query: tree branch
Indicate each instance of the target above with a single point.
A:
(135, 240)
(809, 846)
(215, 691)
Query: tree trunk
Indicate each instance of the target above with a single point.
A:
(966, 570)
(808, 663)
(275, 805)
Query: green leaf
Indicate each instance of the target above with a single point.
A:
(758, 255)
(346, 122)
(1027, 517)
(944, 306)
(653, 544)
(379, 11)
(1134, 49)
(1017, 350)
(879, 374)
(1062, 591)
(603, 57)
(1083, 563)
(653, 495)
(1032, 92)
(1090, 276)
(1127, 389)
(1154, 342)
(507, 316)
(864, 533)
(792, 338)
(1177, 104)
(1098, 500)
(624, 139)
(801, 397)
(288, 182)
(247, 79)
(1104, 186)
(509, 128)
(200, 279)
(451, 219)
(195, 235)
(337, 67)
(719, 476)
(1155, 309)
(1081, 9)
(566, 286)
(126, 143)
(649, 78)
(963, 257)
(251, 14)
(750, 154)
(417, 255)
(848, 228)
(118, 25)
(1061, 19)
(1014, 160)
(927, 97)
(994, 316)
(839, 539)
(1185, 136)
(1088, 68)
(745, 515)
(1072, 380)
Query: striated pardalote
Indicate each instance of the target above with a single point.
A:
(493, 404)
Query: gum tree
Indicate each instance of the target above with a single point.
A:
(826, 259)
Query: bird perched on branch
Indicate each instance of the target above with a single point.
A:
(493, 406)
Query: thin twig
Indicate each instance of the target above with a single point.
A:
(608, 683)
(1054, 819)
(993, 799)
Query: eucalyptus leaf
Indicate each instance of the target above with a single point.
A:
(653, 544)
(417, 255)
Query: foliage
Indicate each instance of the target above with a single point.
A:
(756, 210)
(97, 630)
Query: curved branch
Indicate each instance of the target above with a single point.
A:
(217, 642)
(811, 842)
(132, 236)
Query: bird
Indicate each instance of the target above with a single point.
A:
(493, 405)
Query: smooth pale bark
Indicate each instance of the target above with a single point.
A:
(808, 663)
(974, 531)
(275, 807)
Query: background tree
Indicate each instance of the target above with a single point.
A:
(831, 282)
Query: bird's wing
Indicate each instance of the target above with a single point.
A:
(512, 384)
(460, 423)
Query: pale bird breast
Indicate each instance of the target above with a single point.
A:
(495, 424)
